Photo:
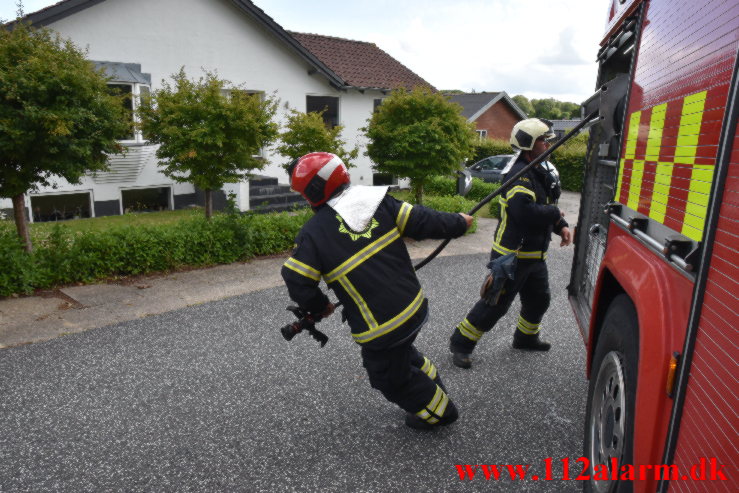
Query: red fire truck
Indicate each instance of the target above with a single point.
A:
(655, 276)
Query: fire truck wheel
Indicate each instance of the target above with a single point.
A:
(609, 418)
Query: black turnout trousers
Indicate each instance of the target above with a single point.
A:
(409, 379)
(531, 281)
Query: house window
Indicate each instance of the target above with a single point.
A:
(229, 93)
(377, 104)
(482, 134)
(131, 98)
(384, 179)
(328, 105)
(146, 199)
(60, 206)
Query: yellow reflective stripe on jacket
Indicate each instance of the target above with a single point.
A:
(369, 319)
(520, 189)
(302, 269)
(403, 215)
(528, 327)
(534, 254)
(503, 219)
(355, 260)
(428, 368)
(393, 323)
(469, 331)
(435, 408)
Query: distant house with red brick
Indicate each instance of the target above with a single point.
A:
(494, 113)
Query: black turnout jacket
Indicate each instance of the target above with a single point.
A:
(370, 271)
(527, 215)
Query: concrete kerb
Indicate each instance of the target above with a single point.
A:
(74, 309)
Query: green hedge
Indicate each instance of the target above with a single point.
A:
(64, 257)
(444, 186)
(570, 162)
(569, 159)
(451, 203)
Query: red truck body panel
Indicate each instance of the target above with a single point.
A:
(710, 415)
(676, 112)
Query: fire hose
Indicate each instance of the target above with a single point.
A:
(307, 321)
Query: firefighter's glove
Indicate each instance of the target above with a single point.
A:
(327, 311)
(501, 269)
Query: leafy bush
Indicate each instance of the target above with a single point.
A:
(445, 186)
(441, 186)
(570, 162)
(64, 256)
(451, 203)
(17, 270)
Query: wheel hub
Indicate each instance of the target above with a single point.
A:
(607, 419)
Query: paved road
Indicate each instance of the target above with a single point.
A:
(211, 398)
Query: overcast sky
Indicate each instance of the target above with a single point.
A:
(539, 48)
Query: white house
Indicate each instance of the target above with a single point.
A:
(141, 42)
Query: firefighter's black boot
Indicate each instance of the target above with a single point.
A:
(460, 359)
(531, 342)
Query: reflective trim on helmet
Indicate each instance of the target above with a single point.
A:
(365, 253)
(393, 323)
(328, 168)
(302, 269)
(369, 319)
(403, 215)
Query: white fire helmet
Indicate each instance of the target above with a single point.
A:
(525, 133)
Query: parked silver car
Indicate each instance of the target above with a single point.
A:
(489, 169)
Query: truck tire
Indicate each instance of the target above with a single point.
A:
(609, 418)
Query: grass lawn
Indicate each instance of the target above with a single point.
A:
(108, 222)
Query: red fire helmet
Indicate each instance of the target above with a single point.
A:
(317, 176)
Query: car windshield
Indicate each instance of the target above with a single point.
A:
(499, 162)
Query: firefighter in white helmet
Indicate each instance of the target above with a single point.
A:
(528, 218)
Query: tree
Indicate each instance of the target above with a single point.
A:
(524, 103)
(57, 118)
(307, 132)
(570, 111)
(547, 108)
(208, 135)
(417, 135)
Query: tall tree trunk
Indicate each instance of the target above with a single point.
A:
(418, 189)
(208, 203)
(21, 225)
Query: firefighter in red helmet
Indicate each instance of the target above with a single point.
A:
(354, 242)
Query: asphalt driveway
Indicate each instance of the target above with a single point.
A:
(211, 398)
